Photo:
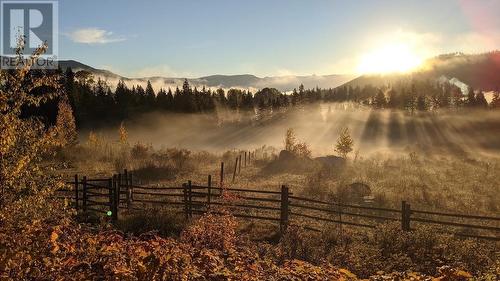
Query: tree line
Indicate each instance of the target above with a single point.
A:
(94, 102)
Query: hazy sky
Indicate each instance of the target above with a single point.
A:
(187, 38)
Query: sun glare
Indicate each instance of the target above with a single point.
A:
(395, 58)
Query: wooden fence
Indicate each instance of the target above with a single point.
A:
(121, 193)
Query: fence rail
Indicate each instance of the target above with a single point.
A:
(121, 193)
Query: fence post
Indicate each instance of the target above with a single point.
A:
(110, 195)
(408, 216)
(131, 186)
(239, 167)
(76, 192)
(245, 158)
(209, 190)
(127, 193)
(340, 220)
(117, 195)
(113, 198)
(190, 190)
(184, 191)
(405, 216)
(84, 184)
(221, 173)
(284, 209)
(235, 167)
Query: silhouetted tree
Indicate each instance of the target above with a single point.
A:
(421, 103)
(379, 101)
(481, 100)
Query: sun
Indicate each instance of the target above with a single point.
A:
(391, 58)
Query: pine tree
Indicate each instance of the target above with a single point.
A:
(344, 143)
(149, 96)
(495, 102)
(471, 99)
(421, 103)
(394, 99)
(379, 101)
(481, 100)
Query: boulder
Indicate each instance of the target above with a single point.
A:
(287, 162)
(331, 161)
(357, 192)
(286, 156)
(359, 189)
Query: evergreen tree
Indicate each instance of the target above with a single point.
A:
(495, 102)
(481, 100)
(379, 101)
(234, 98)
(471, 98)
(344, 143)
(394, 99)
(421, 103)
(162, 100)
(149, 96)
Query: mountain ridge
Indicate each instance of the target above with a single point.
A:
(246, 81)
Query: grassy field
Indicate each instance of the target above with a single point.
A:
(430, 182)
(465, 183)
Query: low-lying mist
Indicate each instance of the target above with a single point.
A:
(456, 132)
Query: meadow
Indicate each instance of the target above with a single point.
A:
(430, 177)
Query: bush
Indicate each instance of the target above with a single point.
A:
(387, 249)
(151, 170)
(211, 231)
(164, 222)
(300, 149)
(140, 151)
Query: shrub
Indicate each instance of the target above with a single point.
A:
(123, 134)
(179, 157)
(300, 149)
(211, 231)
(344, 143)
(162, 221)
(65, 127)
(150, 170)
(140, 151)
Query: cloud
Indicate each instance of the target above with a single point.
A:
(156, 70)
(94, 36)
(159, 70)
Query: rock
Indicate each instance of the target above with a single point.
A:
(357, 192)
(331, 161)
(287, 162)
(287, 156)
(360, 190)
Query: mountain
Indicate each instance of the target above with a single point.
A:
(77, 66)
(244, 81)
(480, 71)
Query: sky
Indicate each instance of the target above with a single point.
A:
(194, 38)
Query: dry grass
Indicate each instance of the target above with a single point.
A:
(438, 182)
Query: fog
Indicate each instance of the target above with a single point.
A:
(373, 131)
